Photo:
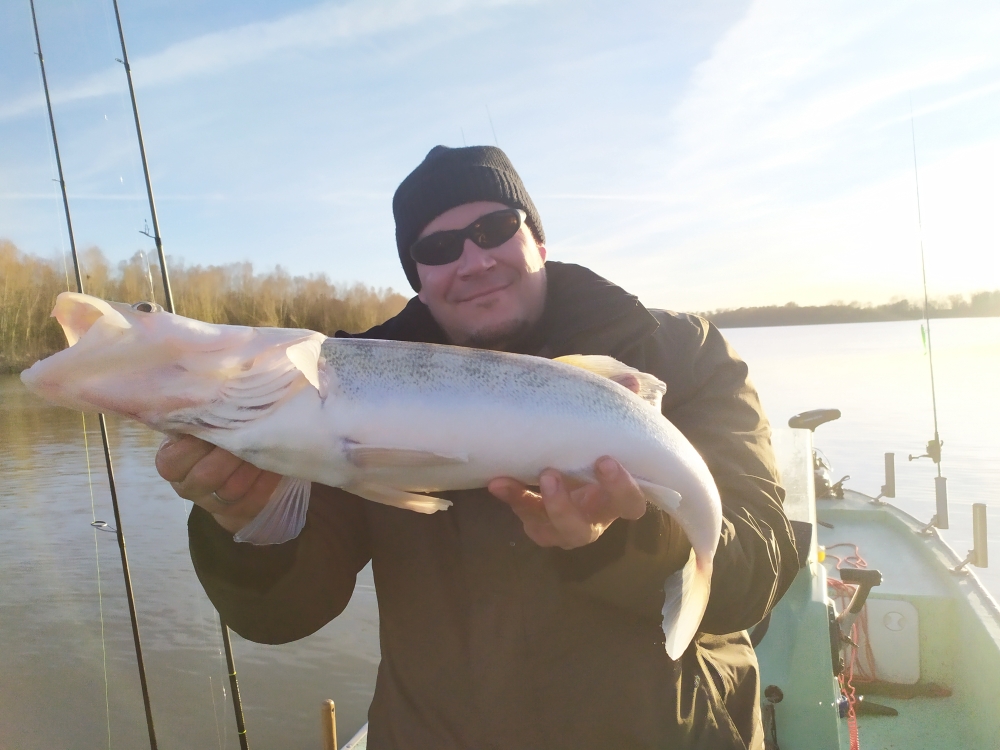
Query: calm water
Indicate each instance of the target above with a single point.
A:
(877, 374)
(57, 573)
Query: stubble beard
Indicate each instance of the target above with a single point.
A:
(507, 335)
(499, 337)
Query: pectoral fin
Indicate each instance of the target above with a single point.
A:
(379, 457)
(251, 390)
(379, 493)
(685, 598)
(648, 387)
(305, 357)
(283, 517)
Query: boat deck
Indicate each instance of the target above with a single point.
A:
(922, 723)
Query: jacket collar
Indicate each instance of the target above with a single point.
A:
(584, 314)
(587, 314)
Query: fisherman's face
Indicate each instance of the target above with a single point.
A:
(486, 298)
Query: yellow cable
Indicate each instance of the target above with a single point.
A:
(100, 597)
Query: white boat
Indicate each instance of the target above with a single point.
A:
(926, 669)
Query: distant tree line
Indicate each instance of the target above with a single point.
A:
(977, 305)
(235, 294)
(232, 294)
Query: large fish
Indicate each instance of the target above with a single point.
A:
(385, 420)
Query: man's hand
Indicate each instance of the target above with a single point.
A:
(229, 488)
(570, 514)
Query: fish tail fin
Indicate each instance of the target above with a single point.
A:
(686, 597)
(283, 517)
(647, 387)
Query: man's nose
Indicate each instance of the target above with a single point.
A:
(474, 259)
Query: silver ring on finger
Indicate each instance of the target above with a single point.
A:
(215, 496)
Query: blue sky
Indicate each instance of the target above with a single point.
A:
(702, 155)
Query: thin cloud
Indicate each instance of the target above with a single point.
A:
(770, 104)
(944, 104)
(773, 145)
(318, 27)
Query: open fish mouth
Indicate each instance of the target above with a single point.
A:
(78, 313)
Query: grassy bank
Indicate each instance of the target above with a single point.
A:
(232, 294)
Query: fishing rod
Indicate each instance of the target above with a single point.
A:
(934, 445)
(169, 300)
(119, 533)
(168, 294)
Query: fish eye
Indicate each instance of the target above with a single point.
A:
(147, 307)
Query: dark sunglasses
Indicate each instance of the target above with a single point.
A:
(488, 231)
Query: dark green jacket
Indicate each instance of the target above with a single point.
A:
(489, 641)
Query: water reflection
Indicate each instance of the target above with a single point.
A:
(60, 576)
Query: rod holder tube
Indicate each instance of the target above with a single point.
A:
(980, 553)
(889, 488)
(941, 496)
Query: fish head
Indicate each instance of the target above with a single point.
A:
(164, 369)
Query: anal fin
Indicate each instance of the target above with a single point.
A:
(664, 498)
(380, 493)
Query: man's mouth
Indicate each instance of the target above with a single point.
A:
(479, 294)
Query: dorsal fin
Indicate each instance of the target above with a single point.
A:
(648, 387)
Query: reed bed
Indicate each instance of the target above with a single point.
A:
(232, 294)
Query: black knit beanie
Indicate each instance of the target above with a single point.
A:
(449, 177)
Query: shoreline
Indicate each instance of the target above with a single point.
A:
(768, 319)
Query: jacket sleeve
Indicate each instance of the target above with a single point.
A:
(283, 592)
(711, 400)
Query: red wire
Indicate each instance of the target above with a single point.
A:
(843, 593)
(847, 686)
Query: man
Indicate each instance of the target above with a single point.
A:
(522, 619)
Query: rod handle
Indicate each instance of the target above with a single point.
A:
(328, 720)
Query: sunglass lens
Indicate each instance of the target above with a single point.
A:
(495, 229)
(438, 249)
